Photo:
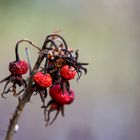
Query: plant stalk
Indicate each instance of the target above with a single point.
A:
(22, 102)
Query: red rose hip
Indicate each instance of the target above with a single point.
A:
(18, 67)
(68, 72)
(43, 80)
(60, 97)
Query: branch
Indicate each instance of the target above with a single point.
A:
(22, 101)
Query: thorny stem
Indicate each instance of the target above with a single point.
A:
(27, 93)
(22, 101)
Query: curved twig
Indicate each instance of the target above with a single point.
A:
(21, 41)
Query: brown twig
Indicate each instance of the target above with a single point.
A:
(22, 102)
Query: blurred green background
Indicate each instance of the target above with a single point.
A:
(107, 33)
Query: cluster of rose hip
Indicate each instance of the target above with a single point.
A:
(55, 67)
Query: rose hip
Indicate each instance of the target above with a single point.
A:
(61, 97)
(43, 80)
(18, 67)
(68, 72)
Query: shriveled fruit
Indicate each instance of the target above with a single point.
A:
(43, 80)
(61, 97)
(18, 67)
(68, 72)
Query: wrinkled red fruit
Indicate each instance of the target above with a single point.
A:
(61, 98)
(68, 72)
(18, 67)
(43, 80)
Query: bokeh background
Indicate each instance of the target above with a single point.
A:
(107, 104)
